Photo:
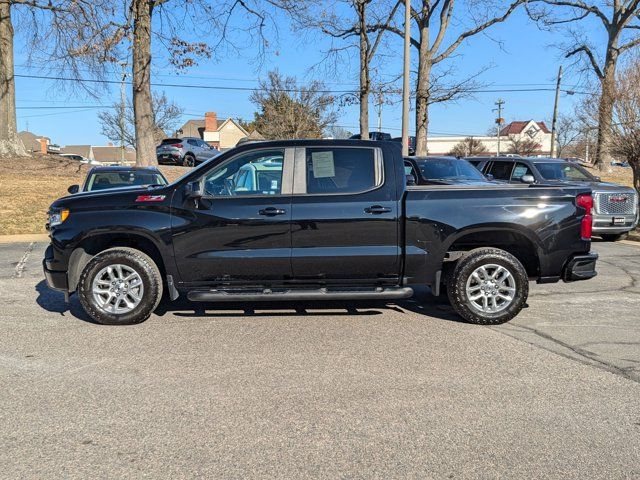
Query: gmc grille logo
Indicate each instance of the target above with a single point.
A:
(618, 199)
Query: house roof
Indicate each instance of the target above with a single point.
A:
(112, 154)
(223, 124)
(30, 140)
(84, 150)
(256, 135)
(515, 128)
(192, 128)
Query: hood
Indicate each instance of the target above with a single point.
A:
(106, 198)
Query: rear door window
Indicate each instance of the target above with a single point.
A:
(519, 171)
(341, 170)
(500, 170)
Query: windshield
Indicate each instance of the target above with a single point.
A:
(448, 169)
(105, 180)
(563, 171)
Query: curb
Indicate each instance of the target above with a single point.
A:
(24, 238)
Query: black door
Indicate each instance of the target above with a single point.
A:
(240, 230)
(344, 217)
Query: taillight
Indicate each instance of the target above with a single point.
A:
(177, 145)
(585, 201)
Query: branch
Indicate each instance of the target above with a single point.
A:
(382, 29)
(590, 9)
(592, 59)
(469, 33)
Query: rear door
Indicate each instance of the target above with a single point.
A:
(344, 216)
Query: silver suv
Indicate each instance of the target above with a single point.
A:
(186, 151)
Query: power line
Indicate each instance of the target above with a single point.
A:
(288, 90)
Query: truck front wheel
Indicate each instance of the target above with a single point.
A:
(120, 286)
(488, 286)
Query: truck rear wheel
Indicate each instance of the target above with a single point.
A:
(120, 286)
(488, 286)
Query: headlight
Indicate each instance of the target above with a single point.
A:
(56, 217)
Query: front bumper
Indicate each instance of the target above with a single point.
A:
(580, 267)
(56, 279)
(605, 223)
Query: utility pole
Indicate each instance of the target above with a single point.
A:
(555, 114)
(499, 121)
(380, 101)
(122, 109)
(405, 78)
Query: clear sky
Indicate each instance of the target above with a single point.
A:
(527, 59)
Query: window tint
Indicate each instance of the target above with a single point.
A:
(170, 141)
(340, 170)
(105, 180)
(193, 142)
(448, 168)
(501, 170)
(519, 171)
(255, 173)
(563, 171)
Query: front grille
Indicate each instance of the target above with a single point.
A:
(616, 203)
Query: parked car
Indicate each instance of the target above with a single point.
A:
(341, 224)
(186, 151)
(376, 136)
(412, 144)
(80, 158)
(616, 207)
(443, 171)
(103, 178)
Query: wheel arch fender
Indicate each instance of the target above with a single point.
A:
(96, 242)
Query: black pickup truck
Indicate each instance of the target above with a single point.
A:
(315, 219)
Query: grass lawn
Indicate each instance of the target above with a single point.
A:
(29, 185)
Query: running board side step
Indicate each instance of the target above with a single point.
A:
(267, 295)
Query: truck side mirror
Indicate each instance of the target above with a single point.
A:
(73, 189)
(411, 180)
(597, 179)
(193, 189)
(528, 179)
(489, 176)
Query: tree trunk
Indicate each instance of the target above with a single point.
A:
(605, 113)
(365, 85)
(422, 93)
(10, 143)
(142, 101)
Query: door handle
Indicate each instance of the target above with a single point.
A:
(377, 209)
(272, 211)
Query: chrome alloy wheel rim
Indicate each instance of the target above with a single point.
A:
(491, 288)
(117, 289)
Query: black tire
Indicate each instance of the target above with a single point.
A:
(130, 257)
(467, 265)
(614, 237)
(189, 160)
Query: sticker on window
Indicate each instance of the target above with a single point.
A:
(323, 165)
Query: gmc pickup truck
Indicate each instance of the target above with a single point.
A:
(315, 219)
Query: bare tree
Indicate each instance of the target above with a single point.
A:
(619, 21)
(362, 31)
(250, 23)
(441, 31)
(338, 132)
(287, 110)
(523, 146)
(67, 34)
(468, 147)
(165, 117)
(567, 132)
(625, 131)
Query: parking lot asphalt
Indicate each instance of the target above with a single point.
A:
(323, 390)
